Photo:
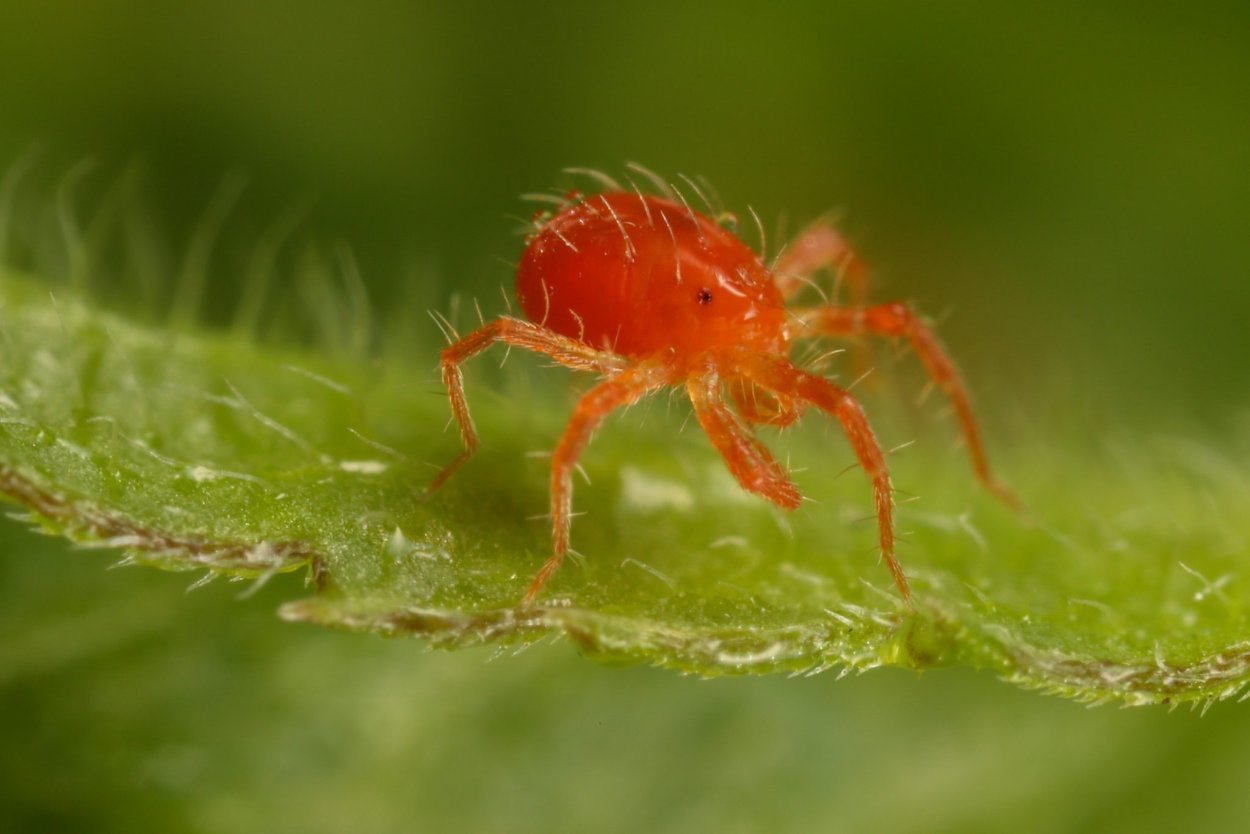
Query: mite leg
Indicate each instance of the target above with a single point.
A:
(748, 459)
(616, 392)
(899, 321)
(818, 246)
(821, 246)
(780, 376)
(566, 351)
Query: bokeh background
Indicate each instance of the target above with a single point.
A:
(1065, 186)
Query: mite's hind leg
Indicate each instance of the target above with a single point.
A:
(899, 321)
(520, 333)
(748, 459)
(817, 247)
(616, 392)
(780, 376)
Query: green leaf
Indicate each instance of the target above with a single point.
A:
(191, 450)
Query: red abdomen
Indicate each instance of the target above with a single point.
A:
(640, 275)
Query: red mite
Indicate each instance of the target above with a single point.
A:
(648, 293)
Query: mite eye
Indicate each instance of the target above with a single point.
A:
(704, 296)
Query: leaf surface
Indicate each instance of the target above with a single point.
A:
(1123, 581)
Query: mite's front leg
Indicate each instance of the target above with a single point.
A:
(899, 321)
(596, 404)
(820, 246)
(750, 462)
(779, 375)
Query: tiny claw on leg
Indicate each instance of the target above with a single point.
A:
(1004, 493)
(540, 579)
(445, 474)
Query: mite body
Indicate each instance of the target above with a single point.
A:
(641, 277)
(648, 293)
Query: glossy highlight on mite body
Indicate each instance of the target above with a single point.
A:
(649, 293)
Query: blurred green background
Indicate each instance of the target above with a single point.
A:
(1068, 182)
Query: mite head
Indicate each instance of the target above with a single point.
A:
(726, 298)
